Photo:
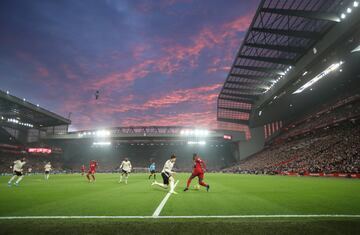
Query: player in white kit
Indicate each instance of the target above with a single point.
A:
(168, 175)
(125, 168)
(47, 168)
(17, 171)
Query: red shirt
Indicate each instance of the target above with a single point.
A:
(83, 168)
(199, 165)
(93, 166)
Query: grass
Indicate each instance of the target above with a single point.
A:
(65, 195)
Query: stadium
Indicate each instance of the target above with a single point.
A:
(153, 137)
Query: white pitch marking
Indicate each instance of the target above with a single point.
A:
(163, 202)
(74, 217)
(257, 216)
(179, 217)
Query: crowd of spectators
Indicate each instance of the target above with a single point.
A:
(326, 142)
(345, 109)
(333, 150)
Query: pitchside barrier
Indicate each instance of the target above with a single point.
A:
(322, 174)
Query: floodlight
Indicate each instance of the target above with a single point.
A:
(201, 142)
(102, 133)
(321, 75)
(356, 49)
(102, 143)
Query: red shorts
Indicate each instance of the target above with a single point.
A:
(199, 174)
(91, 172)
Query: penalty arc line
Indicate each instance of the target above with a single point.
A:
(163, 202)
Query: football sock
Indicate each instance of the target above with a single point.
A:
(203, 184)
(12, 178)
(160, 184)
(172, 186)
(188, 182)
(21, 177)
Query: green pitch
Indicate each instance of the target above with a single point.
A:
(72, 195)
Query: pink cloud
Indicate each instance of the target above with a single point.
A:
(171, 61)
(198, 119)
(88, 112)
(209, 37)
(122, 79)
(139, 50)
(69, 73)
(198, 94)
(42, 71)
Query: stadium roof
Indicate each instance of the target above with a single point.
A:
(153, 133)
(280, 34)
(12, 107)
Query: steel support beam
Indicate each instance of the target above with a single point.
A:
(283, 61)
(253, 77)
(246, 96)
(261, 69)
(288, 32)
(329, 16)
(236, 99)
(236, 109)
(293, 49)
(240, 89)
(246, 84)
(236, 121)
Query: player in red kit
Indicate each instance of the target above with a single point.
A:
(92, 170)
(83, 170)
(198, 171)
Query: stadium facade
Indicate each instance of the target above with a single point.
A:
(23, 123)
(292, 51)
(29, 129)
(296, 56)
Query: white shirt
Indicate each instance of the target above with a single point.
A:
(168, 167)
(126, 166)
(18, 165)
(47, 167)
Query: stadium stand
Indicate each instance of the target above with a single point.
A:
(307, 100)
(324, 142)
(22, 126)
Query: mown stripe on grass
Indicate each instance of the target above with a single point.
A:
(179, 217)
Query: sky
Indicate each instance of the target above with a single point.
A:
(160, 62)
